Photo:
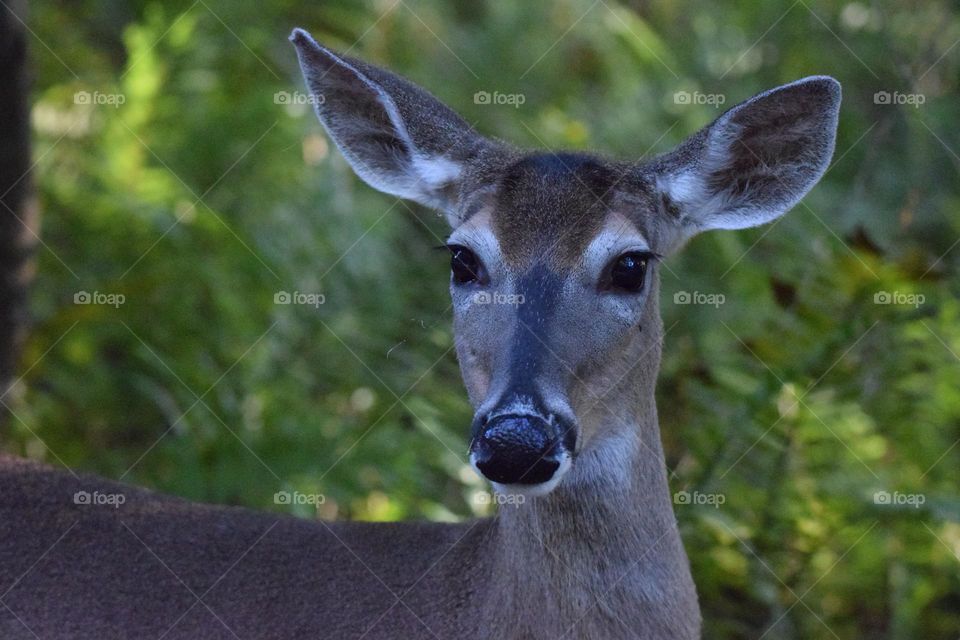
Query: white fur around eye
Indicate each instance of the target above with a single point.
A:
(477, 235)
(617, 236)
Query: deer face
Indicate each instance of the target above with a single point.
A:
(554, 255)
(550, 281)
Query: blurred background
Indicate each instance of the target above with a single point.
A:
(218, 309)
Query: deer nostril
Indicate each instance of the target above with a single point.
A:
(517, 449)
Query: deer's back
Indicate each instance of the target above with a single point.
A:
(157, 564)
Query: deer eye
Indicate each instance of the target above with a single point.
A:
(628, 271)
(465, 265)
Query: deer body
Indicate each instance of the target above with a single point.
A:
(562, 381)
(137, 571)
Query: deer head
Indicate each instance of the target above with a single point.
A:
(555, 256)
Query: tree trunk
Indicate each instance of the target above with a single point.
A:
(18, 210)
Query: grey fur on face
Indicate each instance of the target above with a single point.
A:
(558, 258)
(555, 268)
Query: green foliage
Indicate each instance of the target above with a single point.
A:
(798, 398)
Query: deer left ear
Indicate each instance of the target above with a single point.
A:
(755, 161)
(397, 137)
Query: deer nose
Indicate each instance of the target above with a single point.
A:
(518, 450)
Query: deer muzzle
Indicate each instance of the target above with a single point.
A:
(522, 449)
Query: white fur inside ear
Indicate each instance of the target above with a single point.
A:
(414, 174)
(437, 171)
(429, 172)
(757, 160)
(685, 188)
(700, 207)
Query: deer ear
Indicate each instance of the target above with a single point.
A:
(397, 137)
(755, 161)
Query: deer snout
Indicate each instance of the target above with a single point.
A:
(524, 450)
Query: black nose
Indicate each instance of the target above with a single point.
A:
(517, 449)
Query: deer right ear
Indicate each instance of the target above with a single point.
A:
(397, 137)
(755, 161)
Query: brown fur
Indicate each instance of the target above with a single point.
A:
(551, 204)
(600, 555)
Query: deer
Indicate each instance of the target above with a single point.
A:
(562, 379)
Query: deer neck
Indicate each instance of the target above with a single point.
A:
(591, 553)
(601, 555)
